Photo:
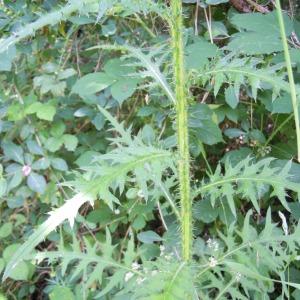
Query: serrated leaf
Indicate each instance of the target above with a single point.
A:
(144, 62)
(46, 112)
(6, 58)
(114, 280)
(13, 152)
(92, 83)
(41, 164)
(256, 21)
(36, 182)
(6, 230)
(66, 73)
(58, 129)
(3, 186)
(281, 105)
(70, 141)
(15, 178)
(59, 164)
(234, 132)
(203, 211)
(61, 292)
(118, 68)
(255, 40)
(253, 43)
(67, 211)
(123, 89)
(34, 147)
(49, 83)
(43, 111)
(54, 144)
(218, 81)
(99, 121)
(149, 237)
(20, 271)
(86, 158)
(198, 53)
(231, 98)
(202, 126)
(251, 180)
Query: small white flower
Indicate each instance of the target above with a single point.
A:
(268, 149)
(238, 276)
(140, 194)
(212, 244)
(168, 257)
(263, 151)
(135, 266)
(26, 170)
(212, 262)
(117, 211)
(140, 280)
(128, 276)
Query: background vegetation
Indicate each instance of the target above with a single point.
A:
(90, 111)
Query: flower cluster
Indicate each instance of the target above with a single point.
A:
(213, 245)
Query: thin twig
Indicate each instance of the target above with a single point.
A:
(208, 26)
(196, 18)
(77, 58)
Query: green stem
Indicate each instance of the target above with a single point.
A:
(274, 133)
(182, 129)
(290, 74)
(144, 25)
(230, 283)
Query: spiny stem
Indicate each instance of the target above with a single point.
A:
(290, 74)
(182, 128)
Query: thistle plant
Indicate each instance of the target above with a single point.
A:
(244, 255)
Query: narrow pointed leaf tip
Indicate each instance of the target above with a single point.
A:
(66, 212)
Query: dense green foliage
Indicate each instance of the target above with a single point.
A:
(149, 150)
